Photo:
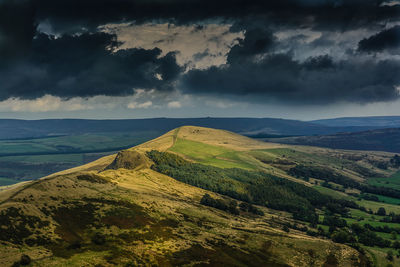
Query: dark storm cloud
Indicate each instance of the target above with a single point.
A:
(33, 63)
(256, 41)
(253, 70)
(388, 39)
(73, 15)
(19, 18)
(256, 70)
(323, 62)
(85, 65)
(17, 28)
(316, 81)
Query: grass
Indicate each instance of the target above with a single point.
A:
(387, 236)
(263, 155)
(379, 256)
(330, 192)
(388, 200)
(198, 227)
(361, 214)
(212, 155)
(374, 206)
(305, 157)
(325, 227)
(84, 258)
(392, 181)
(371, 219)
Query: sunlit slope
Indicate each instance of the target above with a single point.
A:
(149, 218)
(119, 211)
(221, 148)
(221, 138)
(228, 150)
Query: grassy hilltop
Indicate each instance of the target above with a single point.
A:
(198, 196)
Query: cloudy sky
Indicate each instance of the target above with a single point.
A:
(301, 59)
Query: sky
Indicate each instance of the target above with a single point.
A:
(298, 59)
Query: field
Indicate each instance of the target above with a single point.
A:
(212, 155)
(331, 192)
(393, 181)
(390, 206)
(27, 159)
(86, 143)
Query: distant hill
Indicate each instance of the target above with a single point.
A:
(377, 140)
(376, 121)
(14, 129)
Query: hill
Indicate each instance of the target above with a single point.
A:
(30, 149)
(200, 196)
(14, 129)
(378, 140)
(376, 121)
(33, 149)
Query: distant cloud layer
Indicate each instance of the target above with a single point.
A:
(301, 52)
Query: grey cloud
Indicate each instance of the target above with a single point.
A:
(388, 39)
(17, 28)
(85, 65)
(34, 64)
(318, 80)
(256, 41)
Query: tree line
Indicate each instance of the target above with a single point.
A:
(252, 187)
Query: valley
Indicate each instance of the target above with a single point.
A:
(31, 158)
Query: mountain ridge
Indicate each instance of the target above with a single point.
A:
(380, 121)
(20, 129)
